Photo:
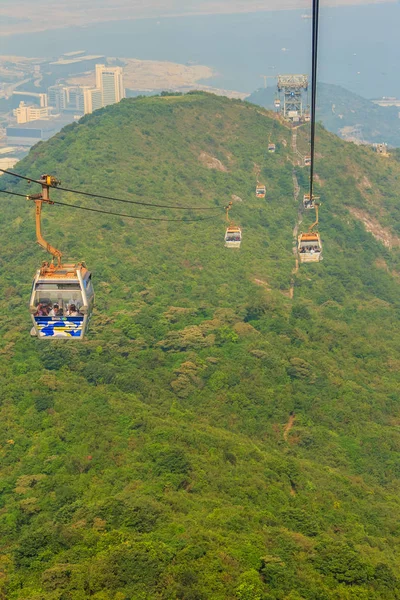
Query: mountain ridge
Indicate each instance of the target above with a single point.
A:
(155, 459)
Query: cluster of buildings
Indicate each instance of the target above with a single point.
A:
(109, 89)
(40, 115)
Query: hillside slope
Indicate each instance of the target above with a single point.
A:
(213, 438)
(349, 115)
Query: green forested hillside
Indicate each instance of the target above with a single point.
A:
(213, 438)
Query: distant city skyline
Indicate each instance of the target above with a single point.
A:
(40, 115)
(359, 47)
(109, 89)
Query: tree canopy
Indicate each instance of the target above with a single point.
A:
(229, 428)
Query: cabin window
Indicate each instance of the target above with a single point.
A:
(50, 300)
(89, 288)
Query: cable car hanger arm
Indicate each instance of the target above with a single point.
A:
(57, 254)
(228, 208)
(46, 182)
(316, 204)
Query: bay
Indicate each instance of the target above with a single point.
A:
(359, 47)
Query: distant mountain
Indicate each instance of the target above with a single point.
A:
(348, 115)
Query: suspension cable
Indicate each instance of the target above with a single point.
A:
(91, 195)
(6, 172)
(315, 26)
(14, 194)
(115, 214)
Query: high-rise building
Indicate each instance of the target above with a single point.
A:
(67, 98)
(92, 99)
(109, 80)
(76, 99)
(58, 96)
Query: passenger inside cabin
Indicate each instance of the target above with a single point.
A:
(310, 249)
(72, 311)
(56, 311)
(42, 310)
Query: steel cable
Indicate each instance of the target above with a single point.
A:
(315, 27)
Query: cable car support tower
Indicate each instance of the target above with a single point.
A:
(292, 87)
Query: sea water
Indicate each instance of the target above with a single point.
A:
(359, 45)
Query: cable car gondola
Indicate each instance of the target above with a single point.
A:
(233, 234)
(307, 161)
(61, 301)
(277, 103)
(309, 247)
(309, 244)
(62, 295)
(233, 237)
(261, 191)
(271, 147)
(307, 202)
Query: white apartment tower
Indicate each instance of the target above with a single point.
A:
(109, 81)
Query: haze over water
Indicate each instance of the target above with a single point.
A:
(359, 45)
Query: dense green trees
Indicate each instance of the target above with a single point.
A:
(212, 438)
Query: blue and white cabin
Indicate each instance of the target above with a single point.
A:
(61, 302)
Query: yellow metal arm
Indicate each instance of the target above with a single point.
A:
(228, 208)
(40, 239)
(46, 181)
(316, 204)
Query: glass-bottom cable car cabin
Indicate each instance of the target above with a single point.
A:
(261, 191)
(233, 237)
(271, 147)
(309, 247)
(61, 301)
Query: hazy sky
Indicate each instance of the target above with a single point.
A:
(21, 16)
